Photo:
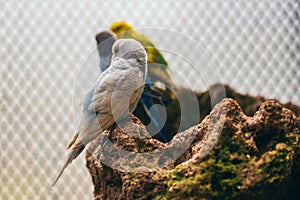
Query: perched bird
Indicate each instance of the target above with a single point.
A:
(157, 65)
(114, 95)
(105, 42)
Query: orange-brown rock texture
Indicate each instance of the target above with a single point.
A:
(228, 155)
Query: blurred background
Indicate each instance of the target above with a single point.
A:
(253, 46)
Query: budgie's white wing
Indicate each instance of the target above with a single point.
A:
(116, 92)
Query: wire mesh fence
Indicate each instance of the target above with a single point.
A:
(44, 45)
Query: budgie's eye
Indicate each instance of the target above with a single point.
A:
(139, 60)
(117, 28)
(116, 50)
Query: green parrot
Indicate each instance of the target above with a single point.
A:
(157, 65)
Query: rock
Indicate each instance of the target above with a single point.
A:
(206, 101)
(229, 155)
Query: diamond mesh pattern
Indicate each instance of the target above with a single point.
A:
(255, 45)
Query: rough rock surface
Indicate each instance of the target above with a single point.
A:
(206, 100)
(227, 156)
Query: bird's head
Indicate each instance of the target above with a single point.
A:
(119, 27)
(103, 35)
(130, 49)
(105, 41)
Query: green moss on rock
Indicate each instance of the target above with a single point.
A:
(256, 157)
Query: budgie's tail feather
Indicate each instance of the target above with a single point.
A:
(73, 154)
(73, 140)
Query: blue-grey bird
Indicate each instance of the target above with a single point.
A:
(105, 40)
(114, 95)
